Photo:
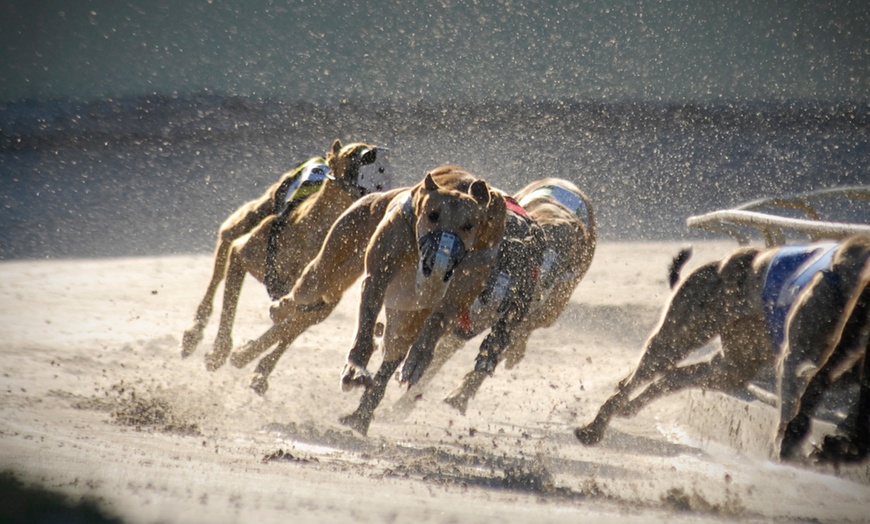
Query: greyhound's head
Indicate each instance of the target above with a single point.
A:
(361, 168)
(451, 219)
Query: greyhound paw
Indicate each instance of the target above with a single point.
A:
(213, 362)
(189, 342)
(241, 357)
(458, 401)
(219, 354)
(259, 383)
(357, 421)
(354, 376)
(588, 436)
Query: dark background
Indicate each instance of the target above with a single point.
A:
(614, 50)
(135, 128)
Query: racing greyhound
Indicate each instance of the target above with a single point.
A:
(801, 308)
(275, 235)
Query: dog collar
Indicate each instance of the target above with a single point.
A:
(788, 273)
(513, 205)
(405, 205)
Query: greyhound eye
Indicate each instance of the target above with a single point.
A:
(381, 170)
(433, 216)
(468, 226)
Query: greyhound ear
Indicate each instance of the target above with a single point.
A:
(429, 183)
(479, 191)
(495, 219)
(336, 147)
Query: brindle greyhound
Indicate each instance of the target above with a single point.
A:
(426, 261)
(804, 308)
(528, 288)
(274, 236)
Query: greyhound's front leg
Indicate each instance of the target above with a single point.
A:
(355, 374)
(421, 353)
(361, 419)
(466, 285)
(853, 444)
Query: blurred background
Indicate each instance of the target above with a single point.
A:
(132, 128)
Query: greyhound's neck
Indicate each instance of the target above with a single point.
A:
(331, 200)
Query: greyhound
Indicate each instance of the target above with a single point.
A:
(528, 288)
(801, 308)
(425, 260)
(275, 235)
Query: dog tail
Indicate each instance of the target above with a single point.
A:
(677, 264)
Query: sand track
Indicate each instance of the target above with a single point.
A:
(96, 402)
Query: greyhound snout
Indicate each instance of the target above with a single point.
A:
(440, 252)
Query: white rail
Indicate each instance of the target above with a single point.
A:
(772, 226)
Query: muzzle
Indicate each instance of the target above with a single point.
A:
(376, 172)
(440, 251)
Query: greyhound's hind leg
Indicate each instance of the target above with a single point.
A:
(193, 335)
(651, 363)
(254, 348)
(446, 348)
(283, 334)
(695, 375)
(260, 380)
(593, 432)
